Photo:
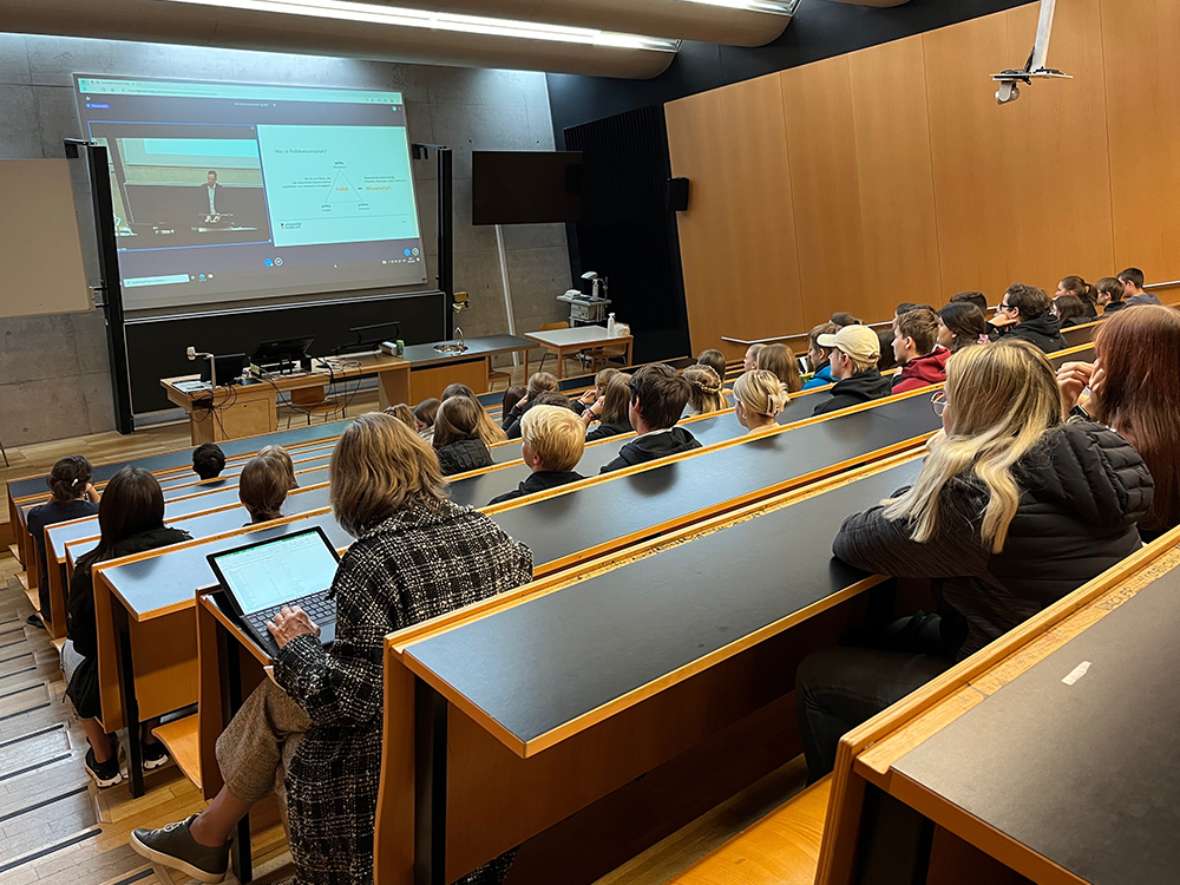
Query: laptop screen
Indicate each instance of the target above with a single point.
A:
(268, 574)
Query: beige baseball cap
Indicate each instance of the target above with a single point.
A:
(859, 342)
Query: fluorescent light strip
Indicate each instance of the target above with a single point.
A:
(341, 10)
(776, 7)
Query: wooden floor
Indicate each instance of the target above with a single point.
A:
(55, 826)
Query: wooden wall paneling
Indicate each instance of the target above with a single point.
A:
(1059, 173)
(898, 219)
(821, 152)
(737, 238)
(1142, 73)
(973, 152)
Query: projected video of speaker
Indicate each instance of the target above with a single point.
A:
(226, 191)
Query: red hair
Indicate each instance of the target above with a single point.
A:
(1140, 353)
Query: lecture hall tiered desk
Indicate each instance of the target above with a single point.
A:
(1049, 756)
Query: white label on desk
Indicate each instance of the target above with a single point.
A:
(1077, 673)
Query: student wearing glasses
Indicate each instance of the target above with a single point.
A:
(1014, 508)
(1025, 314)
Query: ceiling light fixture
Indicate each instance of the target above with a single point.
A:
(776, 7)
(341, 10)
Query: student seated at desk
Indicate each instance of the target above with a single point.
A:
(554, 439)
(916, 349)
(417, 556)
(750, 361)
(658, 397)
(855, 351)
(456, 437)
(208, 460)
(842, 319)
(130, 520)
(715, 360)
(1024, 314)
(779, 360)
(281, 455)
(1083, 291)
(704, 393)
(976, 298)
(962, 324)
(595, 393)
(512, 396)
(1069, 310)
(1133, 388)
(1132, 280)
(73, 498)
(1013, 509)
(819, 356)
(539, 382)
(489, 432)
(611, 411)
(424, 414)
(1110, 295)
(404, 414)
(759, 397)
(263, 488)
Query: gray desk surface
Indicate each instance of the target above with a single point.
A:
(422, 355)
(538, 666)
(317, 457)
(62, 536)
(1084, 774)
(35, 485)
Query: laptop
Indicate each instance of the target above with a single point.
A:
(293, 569)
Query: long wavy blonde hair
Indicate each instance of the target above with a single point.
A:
(1001, 400)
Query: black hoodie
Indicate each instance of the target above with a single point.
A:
(657, 444)
(606, 431)
(1082, 490)
(541, 481)
(1042, 331)
(853, 391)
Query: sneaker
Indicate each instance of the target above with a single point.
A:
(105, 774)
(34, 620)
(154, 756)
(174, 847)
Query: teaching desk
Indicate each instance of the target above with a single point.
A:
(431, 371)
(566, 341)
(1048, 755)
(241, 410)
(507, 718)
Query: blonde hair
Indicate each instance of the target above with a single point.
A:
(490, 432)
(761, 393)
(542, 382)
(555, 434)
(281, 455)
(603, 378)
(1001, 401)
(705, 395)
(378, 467)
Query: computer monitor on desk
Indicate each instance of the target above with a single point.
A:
(283, 355)
(229, 368)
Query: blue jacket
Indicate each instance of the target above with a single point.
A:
(822, 378)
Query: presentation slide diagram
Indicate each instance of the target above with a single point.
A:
(338, 184)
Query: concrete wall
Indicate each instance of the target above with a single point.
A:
(53, 369)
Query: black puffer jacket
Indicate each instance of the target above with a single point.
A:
(1083, 488)
(1042, 331)
(861, 388)
(463, 455)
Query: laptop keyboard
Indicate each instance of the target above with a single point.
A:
(319, 607)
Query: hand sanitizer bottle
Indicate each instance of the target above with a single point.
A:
(610, 324)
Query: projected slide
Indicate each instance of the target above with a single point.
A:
(226, 191)
(338, 184)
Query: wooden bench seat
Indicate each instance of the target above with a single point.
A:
(182, 738)
(780, 849)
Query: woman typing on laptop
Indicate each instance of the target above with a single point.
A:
(417, 555)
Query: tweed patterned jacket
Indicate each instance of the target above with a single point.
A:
(421, 562)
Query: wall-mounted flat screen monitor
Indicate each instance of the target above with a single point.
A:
(226, 191)
(526, 187)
